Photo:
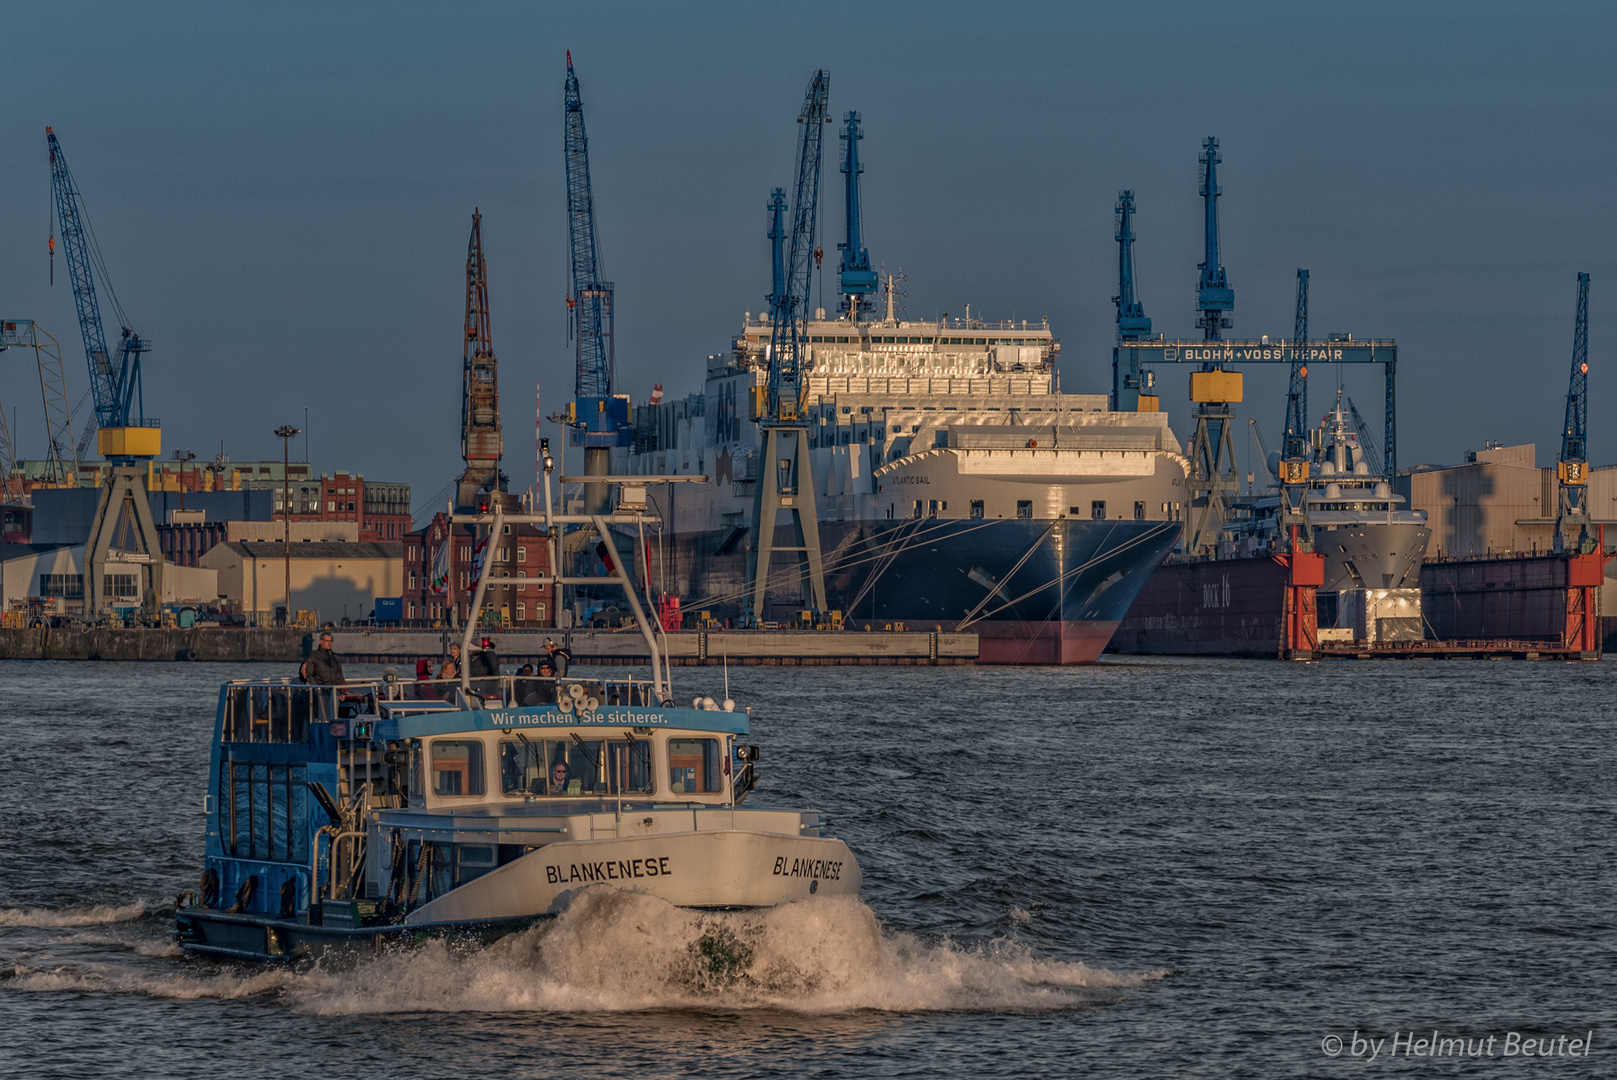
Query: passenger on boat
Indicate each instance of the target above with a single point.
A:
(322, 668)
(540, 691)
(484, 668)
(560, 658)
(423, 678)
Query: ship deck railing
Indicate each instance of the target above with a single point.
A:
(282, 710)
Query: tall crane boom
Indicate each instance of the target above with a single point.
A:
(1214, 296)
(1295, 445)
(481, 444)
(777, 245)
(791, 303)
(1573, 467)
(1132, 324)
(857, 278)
(115, 388)
(600, 419)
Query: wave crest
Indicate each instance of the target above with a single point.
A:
(616, 951)
(96, 915)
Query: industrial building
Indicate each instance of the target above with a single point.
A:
(339, 581)
(50, 578)
(1500, 502)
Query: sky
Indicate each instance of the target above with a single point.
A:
(283, 194)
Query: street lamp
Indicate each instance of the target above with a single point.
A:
(286, 431)
(184, 457)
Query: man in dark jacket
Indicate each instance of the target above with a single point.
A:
(322, 668)
(484, 669)
(560, 658)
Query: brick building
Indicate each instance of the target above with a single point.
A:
(521, 551)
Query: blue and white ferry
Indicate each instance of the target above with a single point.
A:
(382, 810)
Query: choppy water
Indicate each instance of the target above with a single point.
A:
(1138, 869)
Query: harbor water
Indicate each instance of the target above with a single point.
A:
(1139, 868)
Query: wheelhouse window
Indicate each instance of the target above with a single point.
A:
(457, 767)
(561, 767)
(694, 766)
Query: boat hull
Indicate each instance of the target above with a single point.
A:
(721, 868)
(1035, 591)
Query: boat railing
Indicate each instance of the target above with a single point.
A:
(282, 710)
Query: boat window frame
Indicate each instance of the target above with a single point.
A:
(479, 773)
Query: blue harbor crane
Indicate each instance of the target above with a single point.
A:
(1292, 467)
(1213, 480)
(114, 387)
(858, 280)
(1214, 296)
(1295, 445)
(1129, 383)
(777, 245)
(1132, 324)
(599, 419)
(125, 435)
(785, 478)
(1572, 468)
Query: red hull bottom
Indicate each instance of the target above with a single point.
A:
(1056, 642)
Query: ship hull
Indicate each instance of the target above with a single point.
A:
(1036, 592)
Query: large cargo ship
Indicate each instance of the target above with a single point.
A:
(955, 485)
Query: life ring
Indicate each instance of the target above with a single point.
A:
(289, 898)
(244, 895)
(208, 891)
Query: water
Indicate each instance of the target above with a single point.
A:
(1169, 868)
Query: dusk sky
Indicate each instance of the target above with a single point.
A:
(283, 194)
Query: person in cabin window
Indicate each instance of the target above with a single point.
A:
(558, 778)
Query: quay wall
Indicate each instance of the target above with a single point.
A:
(79, 643)
(404, 647)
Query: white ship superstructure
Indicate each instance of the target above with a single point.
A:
(955, 484)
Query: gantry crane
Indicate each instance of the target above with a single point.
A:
(786, 478)
(1572, 468)
(858, 280)
(481, 445)
(599, 419)
(1213, 480)
(125, 436)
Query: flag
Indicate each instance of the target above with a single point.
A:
(439, 582)
(477, 561)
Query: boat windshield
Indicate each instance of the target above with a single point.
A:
(551, 767)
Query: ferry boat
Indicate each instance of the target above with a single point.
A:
(380, 810)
